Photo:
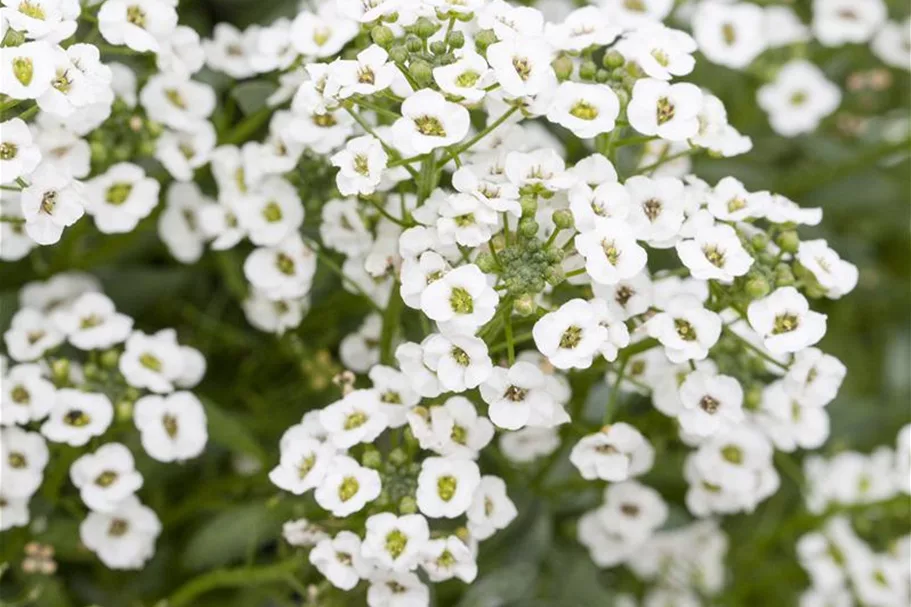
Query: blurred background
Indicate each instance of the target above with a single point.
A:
(220, 511)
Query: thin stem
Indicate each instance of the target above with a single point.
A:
(758, 351)
(391, 321)
(387, 214)
(232, 578)
(655, 165)
(507, 332)
(330, 263)
(611, 407)
(489, 129)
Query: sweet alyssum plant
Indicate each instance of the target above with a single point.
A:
(511, 196)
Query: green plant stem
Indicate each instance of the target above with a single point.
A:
(651, 167)
(507, 332)
(611, 407)
(249, 125)
(332, 265)
(755, 350)
(232, 578)
(391, 321)
(486, 131)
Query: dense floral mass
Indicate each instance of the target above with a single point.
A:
(509, 192)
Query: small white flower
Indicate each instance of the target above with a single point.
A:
(787, 423)
(685, 329)
(92, 323)
(19, 155)
(709, 402)
(543, 169)
(123, 538)
(24, 395)
(656, 209)
(395, 395)
(360, 350)
(172, 427)
(180, 225)
(582, 28)
(891, 44)
(460, 362)
(798, 99)
(361, 166)
(52, 201)
(26, 71)
(616, 453)
(660, 51)
(446, 486)
(283, 271)
(461, 300)
(627, 298)
(466, 220)
(456, 429)
(716, 253)
(347, 487)
(837, 276)
(139, 24)
(271, 213)
(24, 457)
(157, 362)
(448, 558)
(356, 418)
(176, 101)
(814, 377)
(610, 251)
(729, 200)
(516, 395)
(13, 511)
(785, 322)
(339, 560)
(323, 34)
(50, 20)
(395, 542)
(302, 533)
(528, 444)
(491, 509)
(730, 34)
(571, 336)
(77, 417)
(182, 152)
(633, 510)
(428, 122)
(106, 477)
(522, 66)
(30, 335)
(397, 589)
(121, 197)
(838, 22)
(585, 109)
(464, 78)
(369, 73)
(669, 111)
(302, 465)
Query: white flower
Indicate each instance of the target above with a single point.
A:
(571, 336)
(585, 109)
(785, 322)
(176, 101)
(395, 395)
(632, 510)
(19, 155)
(369, 73)
(356, 418)
(121, 197)
(656, 209)
(457, 430)
(92, 323)
(24, 395)
(798, 99)
(464, 78)
(15, 243)
(302, 465)
(182, 52)
(521, 66)
(715, 134)
(779, 209)
(172, 427)
(360, 350)
(528, 444)
(837, 276)
(517, 395)
(139, 24)
(361, 166)
(157, 362)
(24, 457)
(491, 509)
(669, 111)
(50, 20)
(461, 300)
(302, 533)
(784, 27)
(660, 51)
(446, 486)
(13, 511)
(339, 560)
(26, 71)
(417, 273)
(814, 377)
(543, 169)
(123, 538)
(428, 122)
(30, 335)
(283, 271)
(77, 417)
(180, 225)
(182, 152)
(59, 290)
(582, 28)
(626, 298)
(106, 477)
(271, 213)
(632, 15)
(617, 331)
(787, 423)
(323, 34)
(395, 542)
(347, 487)
(730, 34)
(447, 558)
(685, 329)
(838, 22)
(729, 200)
(709, 402)
(51, 202)
(397, 589)
(466, 220)
(892, 42)
(715, 254)
(460, 362)
(610, 251)
(616, 453)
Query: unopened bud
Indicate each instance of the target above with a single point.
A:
(757, 287)
(421, 71)
(528, 227)
(456, 39)
(563, 67)
(524, 305)
(529, 205)
(372, 459)
(789, 241)
(587, 70)
(408, 505)
(382, 36)
(563, 219)
(486, 262)
(483, 39)
(612, 60)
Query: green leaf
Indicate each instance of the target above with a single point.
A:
(505, 585)
(251, 96)
(231, 433)
(231, 535)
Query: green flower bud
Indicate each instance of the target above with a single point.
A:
(757, 286)
(398, 457)
(524, 305)
(464, 17)
(622, 97)
(99, 153)
(587, 70)
(555, 255)
(110, 358)
(602, 76)
(563, 218)
(528, 227)
(484, 39)
(413, 43)
(455, 39)
(612, 60)
(563, 67)
(123, 409)
(789, 241)
(60, 370)
(408, 505)
(447, 59)
(759, 241)
(398, 54)
(529, 205)
(421, 71)
(486, 262)
(784, 277)
(382, 36)
(554, 275)
(753, 397)
(437, 47)
(425, 28)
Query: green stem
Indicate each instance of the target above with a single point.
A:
(232, 578)
(391, 321)
(611, 407)
(489, 129)
(655, 165)
(330, 263)
(756, 350)
(249, 125)
(507, 332)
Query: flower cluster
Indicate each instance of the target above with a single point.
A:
(79, 374)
